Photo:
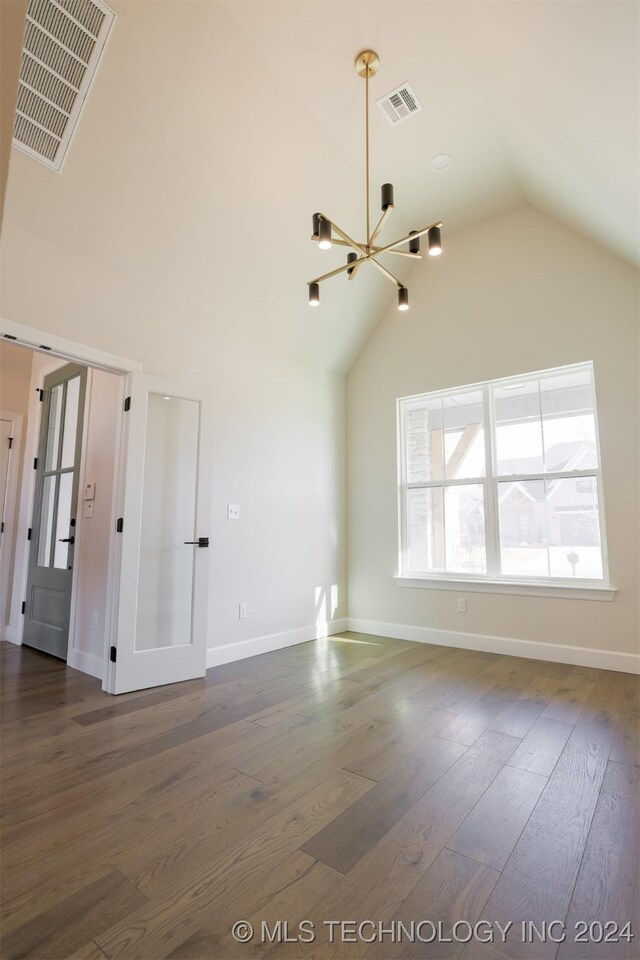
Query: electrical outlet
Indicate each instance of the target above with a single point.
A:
(242, 611)
(462, 605)
(233, 511)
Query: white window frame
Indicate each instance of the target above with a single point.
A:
(493, 581)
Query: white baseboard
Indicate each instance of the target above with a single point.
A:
(10, 634)
(86, 663)
(228, 652)
(558, 653)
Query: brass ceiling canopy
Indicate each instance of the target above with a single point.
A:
(326, 233)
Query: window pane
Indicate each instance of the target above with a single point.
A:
(423, 439)
(53, 428)
(165, 584)
(550, 528)
(70, 423)
(464, 527)
(568, 421)
(518, 428)
(523, 528)
(464, 435)
(63, 527)
(574, 528)
(45, 531)
(425, 530)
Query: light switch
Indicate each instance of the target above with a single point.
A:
(87, 509)
(233, 511)
(89, 491)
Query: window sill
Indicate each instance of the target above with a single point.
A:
(518, 588)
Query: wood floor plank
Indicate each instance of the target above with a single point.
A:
(385, 876)
(553, 840)
(541, 748)
(344, 841)
(492, 828)
(607, 889)
(159, 928)
(63, 928)
(452, 889)
(283, 899)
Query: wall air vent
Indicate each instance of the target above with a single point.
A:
(63, 42)
(399, 105)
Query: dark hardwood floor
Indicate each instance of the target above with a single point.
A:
(349, 779)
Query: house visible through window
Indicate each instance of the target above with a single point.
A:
(501, 480)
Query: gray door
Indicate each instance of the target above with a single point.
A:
(48, 600)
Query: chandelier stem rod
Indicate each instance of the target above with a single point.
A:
(366, 127)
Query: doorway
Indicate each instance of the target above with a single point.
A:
(154, 623)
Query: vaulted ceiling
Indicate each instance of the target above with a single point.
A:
(215, 129)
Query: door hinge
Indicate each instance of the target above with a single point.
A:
(29, 534)
(119, 525)
(10, 442)
(24, 606)
(35, 463)
(40, 394)
(127, 404)
(113, 654)
(2, 527)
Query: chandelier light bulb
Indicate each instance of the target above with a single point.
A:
(403, 298)
(314, 294)
(386, 196)
(435, 242)
(324, 232)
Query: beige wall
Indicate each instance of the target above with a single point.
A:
(518, 293)
(12, 19)
(278, 427)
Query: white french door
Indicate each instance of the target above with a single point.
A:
(163, 530)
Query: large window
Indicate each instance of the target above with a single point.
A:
(501, 481)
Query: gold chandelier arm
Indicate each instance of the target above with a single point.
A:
(336, 242)
(384, 270)
(381, 222)
(374, 249)
(334, 273)
(345, 236)
(408, 238)
(398, 253)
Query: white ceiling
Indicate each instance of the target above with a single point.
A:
(215, 129)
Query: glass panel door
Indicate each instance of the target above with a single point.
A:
(160, 631)
(165, 578)
(49, 580)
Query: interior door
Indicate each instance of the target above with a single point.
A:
(161, 622)
(48, 600)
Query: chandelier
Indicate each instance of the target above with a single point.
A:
(326, 233)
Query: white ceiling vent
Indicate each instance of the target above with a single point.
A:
(399, 105)
(63, 41)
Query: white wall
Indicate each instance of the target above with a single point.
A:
(518, 293)
(278, 434)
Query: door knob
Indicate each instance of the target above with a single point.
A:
(68, 540)
(200, 542)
